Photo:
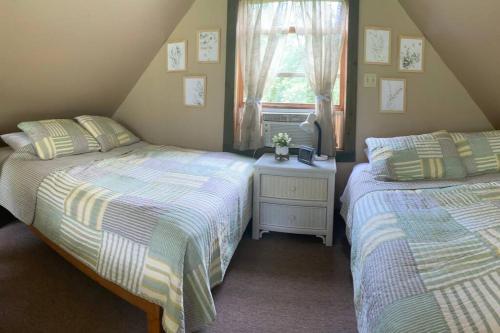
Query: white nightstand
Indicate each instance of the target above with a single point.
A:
(294, 197)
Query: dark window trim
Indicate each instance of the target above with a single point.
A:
(232, 19)
(348, 154)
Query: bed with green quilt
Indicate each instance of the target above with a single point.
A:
(161, 222)
(425, 255)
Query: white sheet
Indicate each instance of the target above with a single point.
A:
(5, 152)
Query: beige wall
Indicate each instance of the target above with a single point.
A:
(470, 45)
(436, 99)
(62, 58)
(155, 108)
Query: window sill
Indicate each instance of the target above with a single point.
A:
(341, 156)
(294, 108)
(285, 109)
(287, 106)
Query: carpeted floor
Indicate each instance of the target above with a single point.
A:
(282, 283)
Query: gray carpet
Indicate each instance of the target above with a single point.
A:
(282, 283)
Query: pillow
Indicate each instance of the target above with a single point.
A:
(107, 132)
(16, 140)
(58, 137)
(480, 151)
(416, 157)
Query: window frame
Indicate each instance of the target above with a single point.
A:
(348, 153)
(308, 106)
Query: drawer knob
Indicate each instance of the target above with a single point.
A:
(292, 218)
(293, 189)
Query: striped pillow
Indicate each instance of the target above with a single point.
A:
(480, 152)
(107, 132)
(416, 157)
(58, 137)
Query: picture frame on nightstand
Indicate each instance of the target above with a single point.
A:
(306, 155)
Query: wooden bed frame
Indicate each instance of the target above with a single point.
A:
(153, 311)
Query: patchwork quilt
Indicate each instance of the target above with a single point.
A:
(480, 152)
(161, 222)
(415, 157)
(427, 260)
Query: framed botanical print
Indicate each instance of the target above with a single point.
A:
(392, 95)
(378, 46)
(177, 56)
(411, 54)
(195, 91)
(208, 46)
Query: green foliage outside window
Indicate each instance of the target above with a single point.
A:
(290, 84)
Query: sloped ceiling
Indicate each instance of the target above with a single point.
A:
(61, 58)
(467, 36)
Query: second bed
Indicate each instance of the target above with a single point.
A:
(425, 255)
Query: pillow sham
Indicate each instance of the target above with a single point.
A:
(58, 137)
(480, 151)
(415, 157)
(107, 132)
(16, 140)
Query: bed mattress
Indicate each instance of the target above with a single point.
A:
(425, 255)
(161, 222)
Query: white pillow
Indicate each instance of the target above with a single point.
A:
(16, 140)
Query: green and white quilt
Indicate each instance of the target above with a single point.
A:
(480, 152)
(161, 222)
(424, 257)
(415, 157)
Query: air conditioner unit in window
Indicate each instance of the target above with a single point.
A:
(275, 123)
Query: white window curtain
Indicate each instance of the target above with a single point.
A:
(262, 27)
(322, 26)
(259, 33)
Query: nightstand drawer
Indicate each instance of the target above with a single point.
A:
(295, 188)
(292, 216)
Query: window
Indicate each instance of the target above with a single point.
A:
(288, 89)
